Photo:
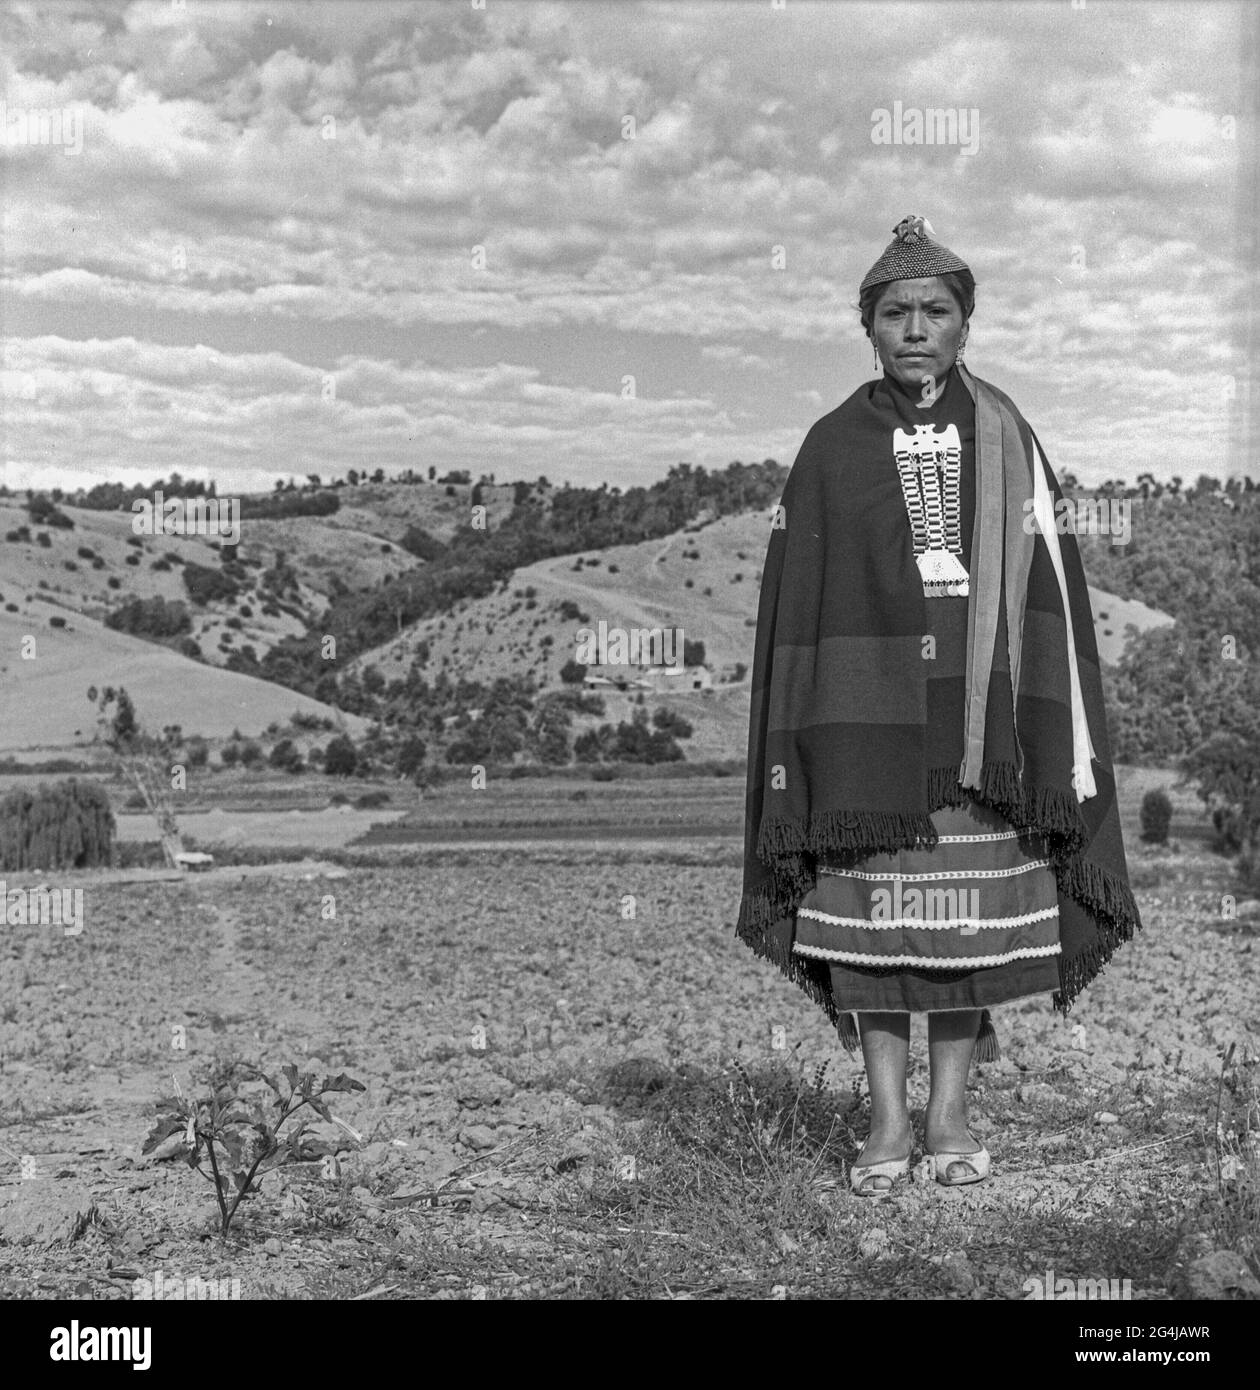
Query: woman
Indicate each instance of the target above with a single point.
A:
(931, 819)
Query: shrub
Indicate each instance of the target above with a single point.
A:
(65, 826)
(411, 757)
(43, 512)
(310, 723)
(1249, 864)
(251, 753)
(1156, 814)
(205, 584)
(150, 617)
(670, 723)
(371, 801)
(579, 701)
(340, 757)
(275, 505)
(418, 542)
(286, 757)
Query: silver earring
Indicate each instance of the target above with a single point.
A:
(875, 350)
(961, 349)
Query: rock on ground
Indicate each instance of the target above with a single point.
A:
(45, 1212)
(1222, 1275)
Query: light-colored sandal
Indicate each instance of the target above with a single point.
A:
(892, 1169)
(937, 1166)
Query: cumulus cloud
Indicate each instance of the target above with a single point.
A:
(700, 177)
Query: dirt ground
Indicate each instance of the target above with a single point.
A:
(529, 1022)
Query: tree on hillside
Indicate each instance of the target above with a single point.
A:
(1226, 768)
(144, 760)
(340, 757)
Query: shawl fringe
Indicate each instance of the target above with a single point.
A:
(838, 833)
(987, 1047)
(803, 973)
(1110, 901)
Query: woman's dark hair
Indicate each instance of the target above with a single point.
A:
(960, 283)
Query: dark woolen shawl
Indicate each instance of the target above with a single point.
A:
(844, 758)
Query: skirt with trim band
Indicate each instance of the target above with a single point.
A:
(969, 922)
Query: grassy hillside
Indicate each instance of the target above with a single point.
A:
(704, 580)
(45, 697)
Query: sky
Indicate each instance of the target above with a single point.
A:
(593, 239)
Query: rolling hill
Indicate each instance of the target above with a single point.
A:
(703, 579)
(45, 705)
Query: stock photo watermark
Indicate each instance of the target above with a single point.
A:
(1066, 1289)
(187, 516)
(1086, 516)
(38, 125)
(79, 1343)
(897, 903)
(637, 646)
(42, 906)
(184, 1288)
(912, 125)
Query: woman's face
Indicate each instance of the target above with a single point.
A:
(917, 326)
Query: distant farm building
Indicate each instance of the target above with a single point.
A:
(657, 680)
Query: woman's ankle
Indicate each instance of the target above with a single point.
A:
(890, 1123)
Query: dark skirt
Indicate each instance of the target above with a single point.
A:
(970, 922)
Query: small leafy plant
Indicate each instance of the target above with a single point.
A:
(239, 1134)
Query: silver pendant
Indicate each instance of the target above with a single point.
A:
(943, 575)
